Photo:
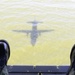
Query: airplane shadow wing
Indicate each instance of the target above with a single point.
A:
(23, 31)
(41, 31)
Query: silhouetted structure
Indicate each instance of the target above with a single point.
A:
(4, 56)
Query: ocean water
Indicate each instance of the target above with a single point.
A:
(51, 48)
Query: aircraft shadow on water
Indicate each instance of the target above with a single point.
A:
(34, 33)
